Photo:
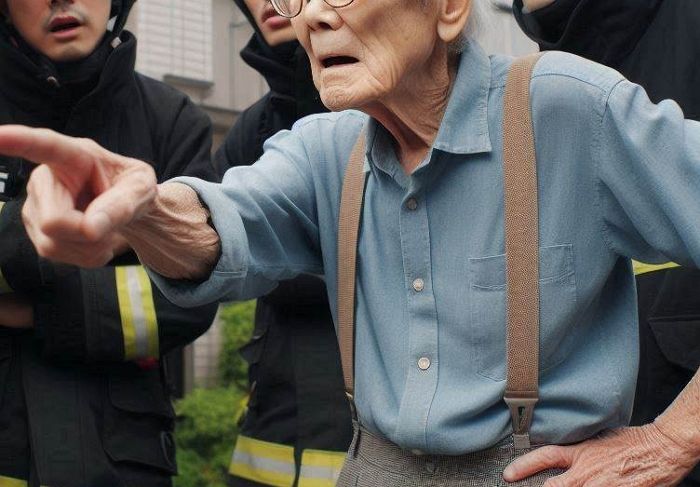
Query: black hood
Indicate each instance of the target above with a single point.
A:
(285, 67)
(120, 10)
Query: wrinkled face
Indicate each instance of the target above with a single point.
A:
(360, 53)
(275, 29)
(62, 30)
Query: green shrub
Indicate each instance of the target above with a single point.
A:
(206, 435)
(207, 418)
(237, 328)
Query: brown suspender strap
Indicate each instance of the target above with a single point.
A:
(348, 231)
(522, 261)
(522, 250)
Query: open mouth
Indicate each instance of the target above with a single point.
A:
(338, 61)
(64, 24)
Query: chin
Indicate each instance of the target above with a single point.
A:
(337, 99)
(67, 54)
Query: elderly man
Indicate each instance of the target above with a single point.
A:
(83, 398)
(431, 294)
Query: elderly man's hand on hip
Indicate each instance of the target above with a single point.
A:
(638, 456)
(85, 205)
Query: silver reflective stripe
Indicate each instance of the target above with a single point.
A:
(261, 463)
(326, 473)
(137, 310)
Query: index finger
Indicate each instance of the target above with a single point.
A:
(537, 461)
(41, 146)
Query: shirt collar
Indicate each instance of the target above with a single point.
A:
(464, 128)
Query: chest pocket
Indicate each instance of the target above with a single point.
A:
(487, 277)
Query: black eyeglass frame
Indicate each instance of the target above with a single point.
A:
(330, 3)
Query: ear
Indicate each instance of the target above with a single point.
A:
(452, 18)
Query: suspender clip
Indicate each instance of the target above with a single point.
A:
(353, 408)
(521, 412)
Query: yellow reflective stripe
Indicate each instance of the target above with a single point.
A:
(320, 468)
(4, 289)
(263, 462)
(642, 268)
(10, 482)
(137, 311)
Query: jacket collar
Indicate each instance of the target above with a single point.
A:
(35, 88)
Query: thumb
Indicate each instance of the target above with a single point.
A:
(127, 199)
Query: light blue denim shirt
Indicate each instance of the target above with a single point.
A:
(619, 178)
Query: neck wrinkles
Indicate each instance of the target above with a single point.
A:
(413, 112)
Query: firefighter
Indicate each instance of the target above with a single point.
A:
(297, 412)
(83, 399)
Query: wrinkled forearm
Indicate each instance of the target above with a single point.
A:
(681, 421)
(174, 237)
(532, 5)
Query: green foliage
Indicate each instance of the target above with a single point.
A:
(206, 429)
(237, 321)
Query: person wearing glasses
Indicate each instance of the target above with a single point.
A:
(405, 78)
(296, 412)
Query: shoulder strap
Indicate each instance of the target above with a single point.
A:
(522, 250)
(348, 231)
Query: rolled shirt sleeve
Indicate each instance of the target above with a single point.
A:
(266, 218)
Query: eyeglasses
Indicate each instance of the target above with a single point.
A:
(292, 8)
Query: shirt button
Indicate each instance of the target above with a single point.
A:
(423, 363)
(418, 285)
(412, 204)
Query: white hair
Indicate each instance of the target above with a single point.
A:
(476, 19)
(475, 24)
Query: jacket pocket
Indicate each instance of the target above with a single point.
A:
(488, 310)
(139, 420)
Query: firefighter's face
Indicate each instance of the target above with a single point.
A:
(275, 28)
(62, 30)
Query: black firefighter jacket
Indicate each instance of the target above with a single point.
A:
(297, 403)
(83, 402)
(655, 43)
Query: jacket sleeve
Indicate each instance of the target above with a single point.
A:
(600, 30)
(183, 140)
(19, 262)
(112, 314)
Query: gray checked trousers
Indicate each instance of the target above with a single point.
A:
(375, 462)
